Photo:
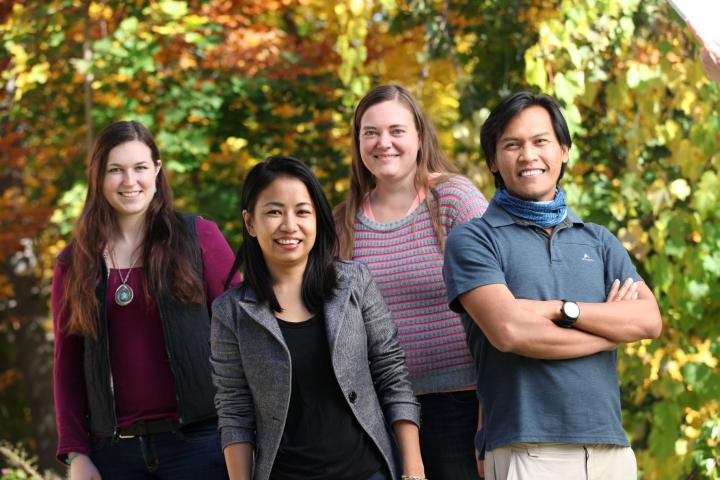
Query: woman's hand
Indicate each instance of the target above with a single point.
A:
(408, 439)
(82, 468)
(239, 460)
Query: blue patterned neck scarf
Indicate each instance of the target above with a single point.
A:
(542, 214)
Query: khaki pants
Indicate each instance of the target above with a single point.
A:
(552, 461)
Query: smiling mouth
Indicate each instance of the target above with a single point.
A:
(130, 194)
(288, 241)
(531, 173)
(383, 156)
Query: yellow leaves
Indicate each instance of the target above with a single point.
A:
(465, 43)
(680, 189)
(38, 74)
(109, 99)
(681, 447)
(341, 185)
(668, 131)
(535, 68)
(98, 11)
(198, 119)
(672, 368)
(687, 99)
(399, 59)
(18, 54)
(689, 157)
(357, 7)
(233, 144)
(617, 208)
(638, 73)
(173, 8)
(635, 238)
(168, 29)
(703, 354)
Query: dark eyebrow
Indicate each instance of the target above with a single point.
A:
(275, 203)
(509, 138)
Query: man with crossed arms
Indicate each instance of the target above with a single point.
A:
(549, 311)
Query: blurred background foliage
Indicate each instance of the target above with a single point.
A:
(225, 83)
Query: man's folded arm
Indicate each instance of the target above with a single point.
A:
(616, 320)
(511, 328)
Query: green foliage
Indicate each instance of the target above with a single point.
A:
(225, 84)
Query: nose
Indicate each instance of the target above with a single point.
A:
(528, 152)
(289, 223)
(128, 176)
(384, 140)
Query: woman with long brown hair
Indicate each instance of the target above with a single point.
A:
(130, 302)
(405, 197)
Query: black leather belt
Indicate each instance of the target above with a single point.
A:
(147, 427)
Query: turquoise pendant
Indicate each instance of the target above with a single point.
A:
(124, 294)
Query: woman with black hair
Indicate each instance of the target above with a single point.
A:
(130, 303)
(308, 370)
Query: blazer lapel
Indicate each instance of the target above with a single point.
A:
(335, 309)
(260, 313)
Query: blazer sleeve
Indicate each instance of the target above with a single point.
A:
(233, 398)
(386, 357)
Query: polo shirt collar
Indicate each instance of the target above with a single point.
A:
(496, 216)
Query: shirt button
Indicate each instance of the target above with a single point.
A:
(352, 396)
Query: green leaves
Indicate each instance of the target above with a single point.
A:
(224, 84)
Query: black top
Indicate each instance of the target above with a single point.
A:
(322, 439)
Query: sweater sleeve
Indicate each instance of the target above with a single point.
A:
(460, 201)
(68, 378)
(217, 259)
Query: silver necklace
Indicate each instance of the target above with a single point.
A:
(124, 293)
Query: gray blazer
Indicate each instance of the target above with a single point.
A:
(251, 366)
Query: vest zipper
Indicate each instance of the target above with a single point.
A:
(109, 365)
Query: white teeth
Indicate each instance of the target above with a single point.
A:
(287, 241)
(530, 173)
(130, 194)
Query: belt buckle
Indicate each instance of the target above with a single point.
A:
(137, 430)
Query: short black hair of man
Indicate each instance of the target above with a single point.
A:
(503, 114)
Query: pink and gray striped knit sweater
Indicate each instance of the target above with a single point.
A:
(406, 261)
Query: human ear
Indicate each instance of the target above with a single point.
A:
(158, 166)
(247, 218)
(565, 153)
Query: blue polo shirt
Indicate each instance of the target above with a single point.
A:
(526, 400)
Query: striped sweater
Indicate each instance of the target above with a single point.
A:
(405, 258)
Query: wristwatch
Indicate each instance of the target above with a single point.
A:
(570, 312)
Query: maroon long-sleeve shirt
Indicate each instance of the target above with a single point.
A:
(144, 386)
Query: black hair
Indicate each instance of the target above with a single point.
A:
(506, 110)
(320, 277)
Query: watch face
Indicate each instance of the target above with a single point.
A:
(571, 309)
